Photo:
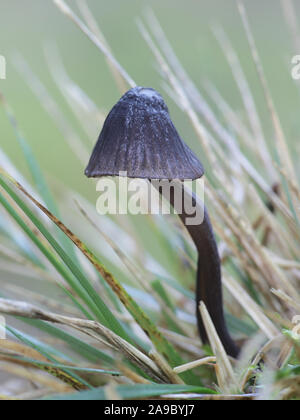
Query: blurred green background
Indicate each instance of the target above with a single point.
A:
(28, 26)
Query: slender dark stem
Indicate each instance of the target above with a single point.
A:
(209, 279)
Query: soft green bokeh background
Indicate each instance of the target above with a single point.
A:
(27, 26)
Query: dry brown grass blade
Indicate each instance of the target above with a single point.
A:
(187, 344)
(251, 171)
(280, 138)
(287, 242)
(243, 260)
(261, 355)
(182, 97)
(165, 368)
(245, 163)
(142, 278)
(243, 230)
(42, 300)
(66, 10)
(196, 363)
(11, 359)
(232, 119)
(91, 328)
(223, 397)
(29, 396)
(227, 380)
(52, 108)
(111, 392)
(21, 262)
(21, 350)
(292, 184)
(132, 268)
(150, 329)
(10, 349)
(286, 264)
(132, 376)
(94, 27)
(247, 98)
(285, 354)
(38, 378)
(183, 91)
(86, 111)
(286, 298)
(292, 22)
(251, 307)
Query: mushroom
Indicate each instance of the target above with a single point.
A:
(138, 138)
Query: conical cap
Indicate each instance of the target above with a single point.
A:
(139, 138)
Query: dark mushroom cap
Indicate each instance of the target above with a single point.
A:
(138, 137)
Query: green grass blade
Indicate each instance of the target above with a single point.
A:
(159, 341)
(60, 366)
(64, 374)
(90, 353)
(49, 255)
(135, 391)
(36, 173)
(100, 309)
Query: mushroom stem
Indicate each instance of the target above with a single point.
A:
(209, 279)
(138, 137)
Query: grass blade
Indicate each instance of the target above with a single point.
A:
(136, 391)
(160, 342)
(94, 301)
